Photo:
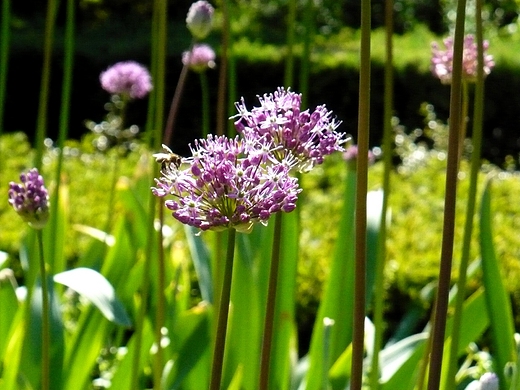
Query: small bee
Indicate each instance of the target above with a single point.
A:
(167, 158)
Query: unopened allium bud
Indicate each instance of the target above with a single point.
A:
(30, 199)
(199, 19)
(199, 58)
(442, 60)
(127, 78)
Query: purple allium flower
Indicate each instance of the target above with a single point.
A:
(301, 137)
(488, 381)
(199, 58)
(199, 19)
(30, 199)
(226, 184)
(442, 60)
(127, 78)
(351, 153)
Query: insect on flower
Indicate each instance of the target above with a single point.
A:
(168, 158)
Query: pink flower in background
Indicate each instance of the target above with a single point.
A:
(199, 58)
(442, 60)
(127, 78)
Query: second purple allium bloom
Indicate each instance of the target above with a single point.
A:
(442, 60)
(199, 58)
(227, 184)
(127, 78)
(301, 137)
(30, 199)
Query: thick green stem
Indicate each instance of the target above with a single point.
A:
(270, 305)
(358, 332)
(205, 103)
(4, 56)
(289, 59)
(223, 71)
(45, 318)
(68, 64)
(441, 304)
(161, 305)
(472, 197)
(223, 311)
(145, 292)
(308, 34)
(379, 290)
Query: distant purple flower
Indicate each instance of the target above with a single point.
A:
(442, 60)
(301, 137)
(199, 58)
(30, 199)
(226, 184)
(488, 381)
(127, 78)
(350, 155)
(199, 19)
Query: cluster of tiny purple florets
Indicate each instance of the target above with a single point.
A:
(442, 60)
(199, 58)
(223, 185)
(127, 78)
(234, 183)
(303, 137)
(30, 198)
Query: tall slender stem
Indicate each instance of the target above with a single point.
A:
(358, 331)
(41, 122)
(159, 315)
(289, 60)
(387, 161)
(45, 317)
(4, 56)
(205, 103)
(223, 311)
(270, 305)
(223, 71)
(441, 304)
(472, 197)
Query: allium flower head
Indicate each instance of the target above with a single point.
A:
(301, 137)
(199, 19)
(127, 78)
(442, 60)
(199, 58)
(227, 184)
(30, 199)
(488, 381)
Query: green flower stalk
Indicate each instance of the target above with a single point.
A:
(30, 199)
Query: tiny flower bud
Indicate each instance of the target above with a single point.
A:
(199, 19)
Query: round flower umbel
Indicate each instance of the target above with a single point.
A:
(300, 137)
(199, 58)
(128, 79)
(30, 199)
(225, 184)
(442, 60)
